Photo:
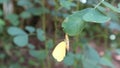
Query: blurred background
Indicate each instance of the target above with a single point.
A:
(30, 29)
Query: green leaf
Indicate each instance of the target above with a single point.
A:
(49, 44)
(3, 1)
(69, 59)
(15, 65)
(13, 19)
(111, 7)
(39, 54)
(38, 11)
(95, 16)
(26, 3)
(67, 4)
(25, 15)
(90, 58)
(30, 29)
(78, 56)
(1, 29)
(15, 31)
(106, 62)
(41, 34)
(2, 23)
(2, 56)
(88, 63)
(31, 46)
(74, 23)
(117, 51)
(21, 40)
(91, 53)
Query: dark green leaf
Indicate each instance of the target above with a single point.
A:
(95, 16)
(74, 23)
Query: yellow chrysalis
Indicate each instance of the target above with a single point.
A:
(60, 50)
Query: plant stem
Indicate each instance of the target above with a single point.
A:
(55, 23)
(98, 4)
(43, 18)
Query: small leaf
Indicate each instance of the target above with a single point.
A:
(38, 11)
(111, 6)
(74, 23)
(15, 65)
(30, 29)
(95, 16)
(88, 63)
(25, 15)
(31, 46)
(69, 59)
(15, 31)
(3, 1)
(21, 40)
(41, 35)
(49, 44)
(26, 3)
(117, 51)
(39, 54)
(106, 62)
(91, 53)
(13, 19)
(2, 23)
(67, 4)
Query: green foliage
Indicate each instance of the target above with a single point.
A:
(67, 4)
(13, 18)
(111, 7)
(25, 15)
(39, 54)
(30, 29)
(69, 59)
(41, 35)
(74, 23)
(13, 31)
(91, 58)
(21, 40)
(95, 16)
(106, 62)
(49, 44)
